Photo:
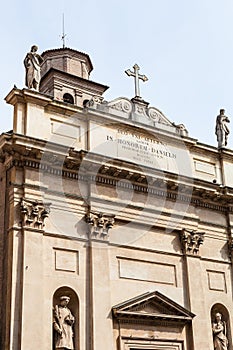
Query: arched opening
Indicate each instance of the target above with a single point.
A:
(86, 103)
(68, 98)
(61, 319)
(224, 315)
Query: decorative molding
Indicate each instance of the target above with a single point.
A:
(214, 198)
(66, 260)
(158, 117)
(34, 213)
(93, 102)
(151, 342)
(201, 197)
(100, 224)
(191, 241)
(152, 307)
(121, 104)
(217, 280)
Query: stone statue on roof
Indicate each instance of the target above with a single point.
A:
(221, 130)
(32, 63)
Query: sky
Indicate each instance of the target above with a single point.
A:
(184, 47)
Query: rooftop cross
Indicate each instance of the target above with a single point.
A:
(136, 76)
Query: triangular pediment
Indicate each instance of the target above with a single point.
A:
(152, 306)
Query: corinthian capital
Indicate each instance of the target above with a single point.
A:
(100, 224)
(34, 213)
(191, 241)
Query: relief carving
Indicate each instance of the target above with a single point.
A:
(157, 116)
(93, 101)
(191, 241)
(100, 223)
(140, 109)
(34, 213)
(122, 105)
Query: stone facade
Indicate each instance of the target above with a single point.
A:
(116, 207)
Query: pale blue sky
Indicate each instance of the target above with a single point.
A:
(185, 48)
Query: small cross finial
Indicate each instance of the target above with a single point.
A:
(137, 77)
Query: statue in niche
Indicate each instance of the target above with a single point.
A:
(63, 321)
(221, 130)
(32, 63)
(219, 333)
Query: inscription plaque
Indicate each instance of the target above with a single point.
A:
(140, 148)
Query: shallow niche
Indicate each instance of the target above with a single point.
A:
(224, 315)
(73, 306)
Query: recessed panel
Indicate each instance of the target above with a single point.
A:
(147, 271)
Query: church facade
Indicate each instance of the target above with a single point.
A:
(115, 224)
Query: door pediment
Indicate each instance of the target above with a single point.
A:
(152, 307)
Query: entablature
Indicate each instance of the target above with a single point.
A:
(21, 151)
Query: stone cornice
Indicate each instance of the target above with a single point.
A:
(15, 151)
(27, 95)
(78, 82)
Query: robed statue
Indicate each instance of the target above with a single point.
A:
(221, 130)
(63, 321)
(32, 63)
(219, 333)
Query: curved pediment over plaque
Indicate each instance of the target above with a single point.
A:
(137, 110)
(158, 117)
(121, 106)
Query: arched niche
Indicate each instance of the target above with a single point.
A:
(220, 308)
(68, 98)
(74, 308)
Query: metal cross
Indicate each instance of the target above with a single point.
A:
(136, 76)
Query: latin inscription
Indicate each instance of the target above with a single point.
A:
(140, 148)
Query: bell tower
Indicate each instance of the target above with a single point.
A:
(65, 75)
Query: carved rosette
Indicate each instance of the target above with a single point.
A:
(34, 213)
(191, 241)
(100, 224)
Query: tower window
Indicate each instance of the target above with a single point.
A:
(68, 98)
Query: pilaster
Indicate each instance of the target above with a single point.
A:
(201, 327)
(100, 302)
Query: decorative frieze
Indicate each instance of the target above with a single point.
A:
(191, 241)
(34, 213)
(100, 224)
(214, 198)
